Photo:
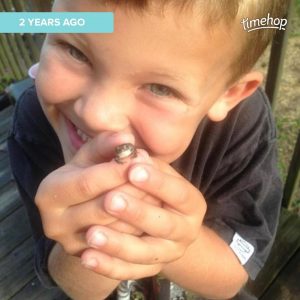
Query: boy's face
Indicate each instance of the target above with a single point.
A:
(155, 77)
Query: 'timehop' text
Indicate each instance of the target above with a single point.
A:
(264, 23)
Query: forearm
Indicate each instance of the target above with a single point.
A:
(75, 280)
(208, 268)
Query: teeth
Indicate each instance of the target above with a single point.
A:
(82, 135)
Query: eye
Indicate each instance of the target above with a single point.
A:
(160, 90)
(76, 54)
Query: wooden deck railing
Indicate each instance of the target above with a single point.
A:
(19, 51)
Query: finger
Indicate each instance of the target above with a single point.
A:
(100, 148)
(74, 244)
(115, 268)
(69, 186)
(77, 216)
(138, 250)
(153, 220)
(124, 227)
(96, 212)
(175, 191)
(88, 213)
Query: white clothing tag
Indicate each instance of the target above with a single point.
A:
(241, 248)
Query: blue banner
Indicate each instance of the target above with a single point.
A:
(56, 22)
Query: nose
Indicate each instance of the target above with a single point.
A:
(104, 109)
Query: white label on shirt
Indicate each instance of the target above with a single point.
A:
(241, 248)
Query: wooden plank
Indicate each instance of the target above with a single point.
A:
(293, 176)
(287, 243)
(5, 173)
(11, 38)
(10, 58)
(35, 291)
(4, 115)
(14, 229)
(287, 284)
(5, 122)
(7, 70)
(31, 44)
(16, 270)
(24, 51)
(9, 200)
(3, 151)
(18, 56)
(5, 125)
(276, 60)
(18, 5)
(41, 5)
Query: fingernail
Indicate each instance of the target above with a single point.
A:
(90, 263)
(142, 157)
(138, 174)
(97, 239)
(123, 137)
(118, 203)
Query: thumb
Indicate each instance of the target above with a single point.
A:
(100, 148)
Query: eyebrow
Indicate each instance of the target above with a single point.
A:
(164, 74)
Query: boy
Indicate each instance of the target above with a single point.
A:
(200, 202)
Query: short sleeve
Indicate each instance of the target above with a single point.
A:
(34, 151)
(244, 197)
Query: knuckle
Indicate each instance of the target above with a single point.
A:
(117, 273)
(52, 232)
(167, 231)
(53, 228)
(182, 195)
(84, 185)
(42, 195)
(118, 250)
(137, 214)
(69, 248)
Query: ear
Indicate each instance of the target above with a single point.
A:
(239, 91)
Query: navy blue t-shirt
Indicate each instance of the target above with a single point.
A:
(233, 163)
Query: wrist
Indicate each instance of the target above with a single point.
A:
(75, 280)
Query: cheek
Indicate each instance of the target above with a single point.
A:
(166, 139)
(55, 83)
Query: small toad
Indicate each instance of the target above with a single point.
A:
(124, 152)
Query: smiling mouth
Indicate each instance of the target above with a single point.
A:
(77, 136)
(84, 137)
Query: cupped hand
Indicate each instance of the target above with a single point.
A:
(70, 199)
(168, 230)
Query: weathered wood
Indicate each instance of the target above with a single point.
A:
(24, 51)
(5, 122)
(14, 230)
(7, 69)
(35, 291)
(41, 5)
(16, 270)
(9, 199)
(18, 5)
(17, 51)
(293, 176)
(5, 172)
(10, 58)
(12, 45)
(276, 60)
(286, 244)
(286, 286)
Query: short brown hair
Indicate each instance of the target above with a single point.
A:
(231, 12)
